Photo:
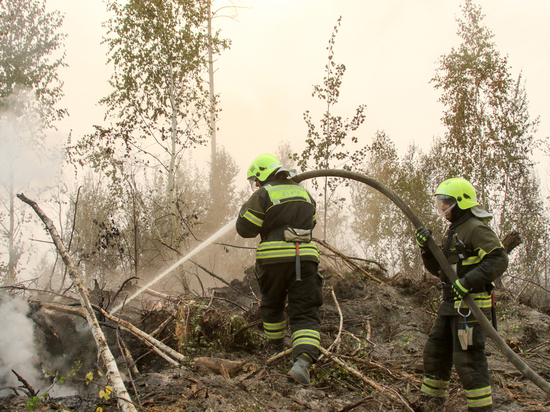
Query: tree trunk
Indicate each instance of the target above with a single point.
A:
(113, 375)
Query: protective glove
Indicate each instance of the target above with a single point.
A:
(422, 236)
(461, 288)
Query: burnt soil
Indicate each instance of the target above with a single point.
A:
(384, 328)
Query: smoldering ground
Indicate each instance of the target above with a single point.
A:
(42, 349)
(18, 350)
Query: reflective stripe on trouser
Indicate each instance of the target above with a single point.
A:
(305, 340)
(479, 398)
(434, 387)
(275, 330)
(443, 349)
(277, 281)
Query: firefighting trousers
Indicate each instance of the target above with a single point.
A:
(443, 349)
(277, 282)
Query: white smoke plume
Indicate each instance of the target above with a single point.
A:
(17, 347)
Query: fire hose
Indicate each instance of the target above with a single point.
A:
(445, 266)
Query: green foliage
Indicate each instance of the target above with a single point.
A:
(377, 222)
(201, 329)
(223, 202)
(29, 92)
(490, 137)
(333, 375)
(325, 147)
(159, 52)
(29, 40)
(32, 403)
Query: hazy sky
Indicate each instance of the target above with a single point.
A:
(390, 49)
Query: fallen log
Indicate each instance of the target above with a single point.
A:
(113, 374)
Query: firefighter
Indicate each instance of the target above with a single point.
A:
(283, 213)
(478, 258)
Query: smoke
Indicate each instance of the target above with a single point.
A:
(33, 344)
(27, 153)
(18, 351)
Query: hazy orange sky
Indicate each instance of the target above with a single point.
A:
(278, 52)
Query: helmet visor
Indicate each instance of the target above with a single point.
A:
(254, 183)
(444, 204)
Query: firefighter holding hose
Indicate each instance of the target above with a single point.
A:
(283, 213)
(478, 257)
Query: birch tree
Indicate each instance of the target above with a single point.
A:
(325, 145)
(30, 56)
(490, 136)
(160, 103)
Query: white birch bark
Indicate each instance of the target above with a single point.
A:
(113, 374)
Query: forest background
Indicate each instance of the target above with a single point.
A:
(136, 191)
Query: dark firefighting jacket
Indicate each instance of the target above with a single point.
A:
(483, 260)
(277, 205)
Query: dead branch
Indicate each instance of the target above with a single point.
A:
(160, 348)
(230, 301)
(121, 288)
(389, 392)
(61, 308)
(349, 261)
(27, 386)
(145, 337)
(383, 268)
(225, 367)
(354, 405)
(220, 279)
(336, 342)
(13, 388)
(130, 364)
(164, 356)
(160, 295)
(163, 325)
(535, 348)
(279, 355)
(113, 374)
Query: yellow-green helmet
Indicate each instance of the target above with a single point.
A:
(459, 189)
(264, 166)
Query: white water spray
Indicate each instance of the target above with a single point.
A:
(200, 247)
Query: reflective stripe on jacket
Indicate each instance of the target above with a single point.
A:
(485, 261)
(276, 205)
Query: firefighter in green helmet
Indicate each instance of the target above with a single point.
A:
(478, 258)
(283, 213)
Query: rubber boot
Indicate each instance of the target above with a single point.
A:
(300, 370)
